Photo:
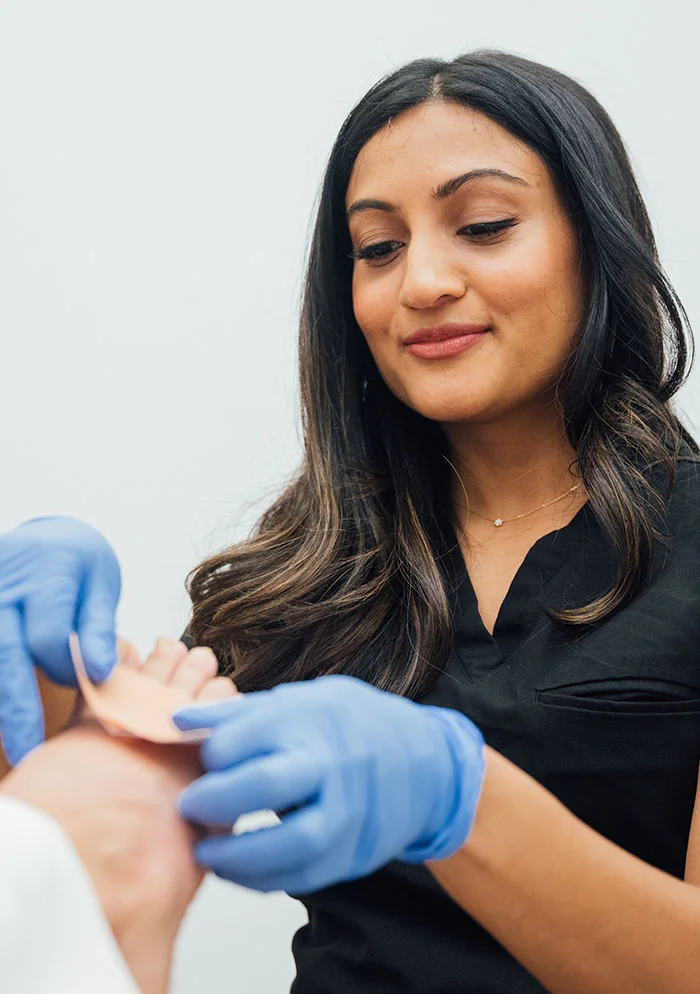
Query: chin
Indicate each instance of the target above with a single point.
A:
(455, 411)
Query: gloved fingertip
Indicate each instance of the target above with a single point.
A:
(100, 654)
(100, 673)
(203, 853)
(190, 801)
(29, 751)
(184, 806)
(192, 717)
(184, 720)
(209, 714)
(17, 749)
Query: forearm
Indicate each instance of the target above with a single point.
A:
(580, 913)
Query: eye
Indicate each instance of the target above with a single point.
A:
(379, 253)
(487, 229)
(376, 252)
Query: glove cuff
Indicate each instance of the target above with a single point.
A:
(466, 746)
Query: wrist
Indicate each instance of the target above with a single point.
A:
(451, 819)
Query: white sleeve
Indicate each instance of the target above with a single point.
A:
(54, 936)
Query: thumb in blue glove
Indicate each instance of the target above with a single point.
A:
(57, 575)
(371, 777)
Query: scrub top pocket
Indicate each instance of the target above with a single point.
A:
(629, 696)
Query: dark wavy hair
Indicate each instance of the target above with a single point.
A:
(343, 572)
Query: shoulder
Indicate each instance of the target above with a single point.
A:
(684, 503)
(679, 548)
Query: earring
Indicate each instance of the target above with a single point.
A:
(364, 389)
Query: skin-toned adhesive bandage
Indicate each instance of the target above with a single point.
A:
(132, 703)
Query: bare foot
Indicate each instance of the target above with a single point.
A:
(170, 663)
(116, 799)
(194, 670)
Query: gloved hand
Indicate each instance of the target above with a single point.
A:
(372, 777)
(57, 575)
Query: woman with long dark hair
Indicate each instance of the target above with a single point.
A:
(489, 558)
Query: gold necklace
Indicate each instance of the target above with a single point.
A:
(498, 522)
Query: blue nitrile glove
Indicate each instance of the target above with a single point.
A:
(372, 777)
(57, 575)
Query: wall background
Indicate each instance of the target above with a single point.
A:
(159, 163)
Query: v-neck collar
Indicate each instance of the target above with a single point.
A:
(526, 600)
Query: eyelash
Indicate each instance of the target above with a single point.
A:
(483, 229)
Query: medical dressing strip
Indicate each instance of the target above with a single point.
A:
(132, 703)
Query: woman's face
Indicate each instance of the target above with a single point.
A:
(459, 234)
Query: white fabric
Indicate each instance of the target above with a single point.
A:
(54, 936)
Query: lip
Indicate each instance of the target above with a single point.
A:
(445, 340)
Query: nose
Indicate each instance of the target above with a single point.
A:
(431, 276)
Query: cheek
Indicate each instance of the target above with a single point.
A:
(374, 303)
(539, 297)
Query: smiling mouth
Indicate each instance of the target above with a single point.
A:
(444, 341)
(443, 332)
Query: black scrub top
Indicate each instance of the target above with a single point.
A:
(607, 719)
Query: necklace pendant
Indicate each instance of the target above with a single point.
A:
(498, 522)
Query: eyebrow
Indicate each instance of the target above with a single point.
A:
(441, 192)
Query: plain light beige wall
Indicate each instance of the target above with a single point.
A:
(158, 168)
